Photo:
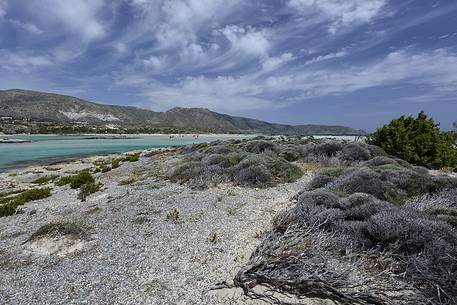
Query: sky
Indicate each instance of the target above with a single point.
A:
(358, 63)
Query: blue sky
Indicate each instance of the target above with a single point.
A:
(351, 62)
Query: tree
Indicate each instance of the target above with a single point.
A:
(418, 141)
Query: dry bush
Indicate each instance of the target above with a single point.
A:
(337, 153)
(255, 163)
(385, 178)
(419, 247)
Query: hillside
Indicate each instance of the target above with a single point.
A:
(49, 107)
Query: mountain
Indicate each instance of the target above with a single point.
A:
(49, 107)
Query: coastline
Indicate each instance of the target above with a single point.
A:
(164, 140)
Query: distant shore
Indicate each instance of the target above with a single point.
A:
(49, 160)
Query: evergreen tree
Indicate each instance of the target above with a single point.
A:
(418, 141)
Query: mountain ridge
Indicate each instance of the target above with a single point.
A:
(53, 107)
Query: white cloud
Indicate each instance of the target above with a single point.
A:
(247, 39)
(342, 13)
(434, 70)
(22, 61)
(27, 26)
(320, 58)
(154, 62)
(75, 17)
(226, 94)
(272, 63)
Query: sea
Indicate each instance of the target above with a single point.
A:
(48, 149)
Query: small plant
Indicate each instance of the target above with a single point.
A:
(231, 193)
(232, 211)
(174, 215)
(131, 179)
(43, 179)
(202, 145)
(212, 238)
(75, 181)
(333, 171)
(59, 229)
(87, 189)
(115, 163)
(234, 158)
(132, 157)
(52, 169)
(9, 205)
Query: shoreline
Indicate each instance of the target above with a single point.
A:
(46, 161)
(78, 157)
(83, 158)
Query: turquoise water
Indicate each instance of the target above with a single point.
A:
(45, 149)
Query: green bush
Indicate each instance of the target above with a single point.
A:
(418, 141)
(9, 205)
(43, 179)
(115, 163)
(75, 181)
(87, 189)
(131, 157)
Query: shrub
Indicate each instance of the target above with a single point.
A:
(338, 152)
(355, 152)
(43, 179)
(174, 215)
(422, 247)
(131, 157)
(87, 189)
(234, 158)
(102, 168)
(418, 141)
(291, 154)
(264, 170)
(217, 149)
(131, 179)
(36, 194)
(202, 145)
(75, 181)
(115, 163)
(319, 181)
(260, 146)
(387, 181)
(59, 229)
(9, 205)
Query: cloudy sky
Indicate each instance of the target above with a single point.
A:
(351, 62)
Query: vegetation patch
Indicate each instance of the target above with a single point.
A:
(115, 163)
(9, 202)
(131, 179)
(174, 215)
(254, 163)
(418, 141)
(387, 180)
(75, 181)
(131, 157)
(44, 179)
(367, 220)
(87, 189)
(59, 229)
(83, 181)
(386, 239)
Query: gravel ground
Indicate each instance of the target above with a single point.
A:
(133, 254)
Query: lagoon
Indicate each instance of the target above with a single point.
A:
(45, 149)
